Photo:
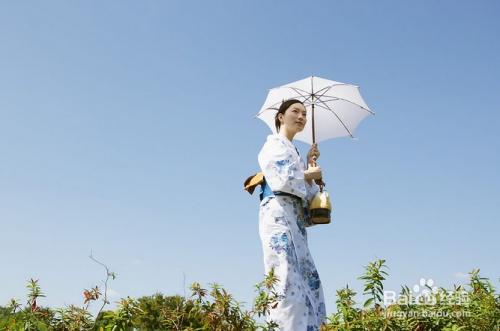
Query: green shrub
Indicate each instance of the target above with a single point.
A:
(443, 310)
(477, 308)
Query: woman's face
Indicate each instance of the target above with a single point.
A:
(295, 117)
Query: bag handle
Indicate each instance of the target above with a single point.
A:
(320, 181)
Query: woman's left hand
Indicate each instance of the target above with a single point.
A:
(313, 154)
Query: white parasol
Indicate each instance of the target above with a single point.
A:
(334, 109)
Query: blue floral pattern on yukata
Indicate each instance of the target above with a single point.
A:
(279, 242)
(282, 228)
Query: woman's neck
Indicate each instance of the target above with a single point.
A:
(287, 133)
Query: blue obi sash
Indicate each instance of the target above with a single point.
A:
(266, 192)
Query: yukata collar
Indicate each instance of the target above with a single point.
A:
(285, 139)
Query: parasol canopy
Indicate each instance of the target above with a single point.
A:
(334, 109)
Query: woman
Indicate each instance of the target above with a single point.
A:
(283, 217)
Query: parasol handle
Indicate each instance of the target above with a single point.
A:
(320, 181)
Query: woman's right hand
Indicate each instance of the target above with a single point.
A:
(313, 173)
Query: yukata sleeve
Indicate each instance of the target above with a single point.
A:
(311, 191)
(281, 170)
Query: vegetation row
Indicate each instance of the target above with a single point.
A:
(476, 307)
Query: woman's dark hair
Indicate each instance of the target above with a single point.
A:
(284, 106)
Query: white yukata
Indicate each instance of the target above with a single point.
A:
(282, 228)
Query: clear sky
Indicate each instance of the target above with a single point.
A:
(127, 130)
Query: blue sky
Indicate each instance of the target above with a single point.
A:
(127, 130)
